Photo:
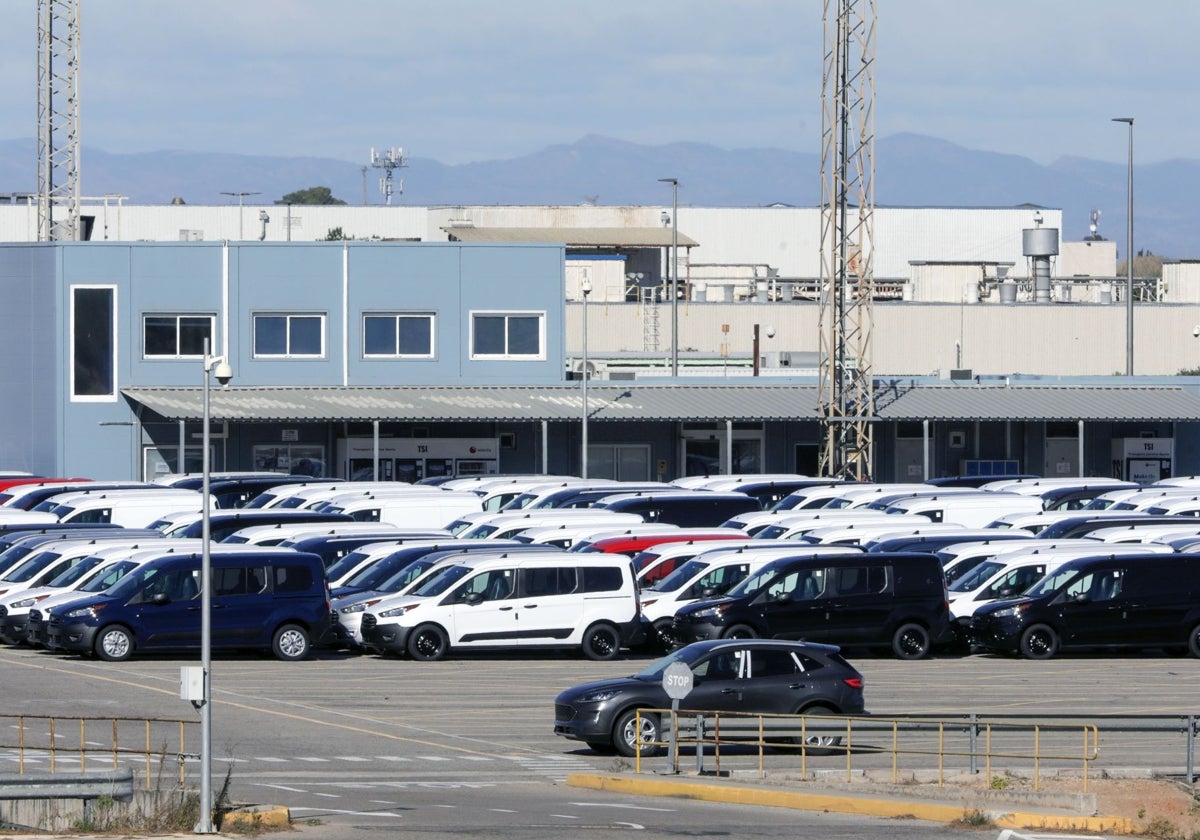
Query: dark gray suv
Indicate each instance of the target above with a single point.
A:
(767, 676)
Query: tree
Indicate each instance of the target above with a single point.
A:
(312, 195)
(335, 234)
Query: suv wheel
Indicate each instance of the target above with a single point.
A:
(114, 644)
(635, 734)
(1194, 641)
(601, 641)
(819, 744)
(290, 643)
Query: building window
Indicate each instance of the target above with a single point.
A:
(93, 343)
(176, 336)
(508, 335)
(289, 336)
(407, 334)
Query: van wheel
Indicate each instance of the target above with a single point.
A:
(661, 639)
(601, 641)
(114, 644)
(1194, 641)
(290, 643)
(1040, 642)
(634, 734)
(740, 631)
(911, 641)
(428, 643)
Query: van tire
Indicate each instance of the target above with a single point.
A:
(428, 643)
(740, 631)
(601, 641)
(660, 640)
(1039, 642)
(910, 641)
(291, 643)
(629, 741)
(114, 643)
(1194, 641)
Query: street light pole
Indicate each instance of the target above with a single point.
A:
(1128, 253)
(586, 288)
(241, 199)
(223, 372)
(674, 284)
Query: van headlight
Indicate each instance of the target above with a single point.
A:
(24, 604)
(709, 612)
(1010, 612)
(84, 612)
(396, 612)
(353, 608)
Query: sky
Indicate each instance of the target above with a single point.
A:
(459, 81)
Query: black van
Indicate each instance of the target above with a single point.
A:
(686, 508)
(1103, 601)
(263, 598)
(893, 600)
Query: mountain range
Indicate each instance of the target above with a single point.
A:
(910, 170)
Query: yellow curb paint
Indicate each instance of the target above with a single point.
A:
(865, 806)
(250, 818)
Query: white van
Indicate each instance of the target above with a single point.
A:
(973, 510)
(1145, 533)
(566, 534)
(861, 533)
(280, 533)
(434, 510)
(520, 601)
(792, 527)
(507, 525)
(128, 508)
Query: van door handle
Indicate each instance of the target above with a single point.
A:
(797, 686)
(529, 606)
(505, 609)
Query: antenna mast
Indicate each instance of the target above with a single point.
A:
(392, 159)
(847, 239)
(58, 120)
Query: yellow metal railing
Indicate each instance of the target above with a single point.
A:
(154, 740)
(904, 739)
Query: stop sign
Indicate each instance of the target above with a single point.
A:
(677, 680)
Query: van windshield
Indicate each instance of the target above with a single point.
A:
(976, 577)
(104, 578)
(679, 578)
(441, 581)
(76, 572)
(1052, 582)
(753, 584)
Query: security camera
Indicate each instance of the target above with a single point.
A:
(224, 373)
(770, 332)
(1196, 331)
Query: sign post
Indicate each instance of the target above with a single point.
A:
(677, 682)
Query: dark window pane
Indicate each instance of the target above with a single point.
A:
(524, 338)
(379, 335)
(306, 336)
(93, 336)
(270, 335)
(159, 336)
(489, 335)
(416, 335)
(192, 332)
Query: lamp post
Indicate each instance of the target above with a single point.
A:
(241, 199)
(1128, 253)
(673, 285)
(757, 345)
(585, 286)
(217, 365)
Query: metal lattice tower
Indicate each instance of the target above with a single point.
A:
(58, 120)
(847, 238)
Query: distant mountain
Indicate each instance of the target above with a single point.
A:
(911, 170)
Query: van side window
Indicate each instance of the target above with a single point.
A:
(176, 584)
(290, 578)
(494, 585)
(860, 580)
(600, 579)
(229, 582)
(546, 581)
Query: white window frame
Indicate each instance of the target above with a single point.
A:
(212, 333)
(395, 317)
(116, 385)
(507, 313)
(287, 316)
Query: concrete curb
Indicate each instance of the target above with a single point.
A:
(842, 804)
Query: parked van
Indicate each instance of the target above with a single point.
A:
(408, 511)
(892, 600)
(971, 510)
(931, 542)
(520, 601)
(226, 522)
(284, 532)
(127, 508)
(507, 525)
(687, 509)
(1100, 601)
(267, 598)
(860, 533)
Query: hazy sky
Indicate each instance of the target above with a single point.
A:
(468, 80)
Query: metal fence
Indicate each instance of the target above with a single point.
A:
(952, 744)
(41, 743)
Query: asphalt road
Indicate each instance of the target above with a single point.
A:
(455, 746)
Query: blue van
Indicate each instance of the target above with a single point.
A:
(263, 598)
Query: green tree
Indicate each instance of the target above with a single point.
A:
(312, 195)
(336, 234)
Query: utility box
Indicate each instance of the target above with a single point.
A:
(191, 683)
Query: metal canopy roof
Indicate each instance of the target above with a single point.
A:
(692, 402)
(581, 237)
(975, 402)
(499, 403)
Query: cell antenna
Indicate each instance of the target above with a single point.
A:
(390, 160)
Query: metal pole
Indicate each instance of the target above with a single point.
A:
(756, 349)
(1128, 252)
(205, 825)
(673, 286)
(586, 287)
